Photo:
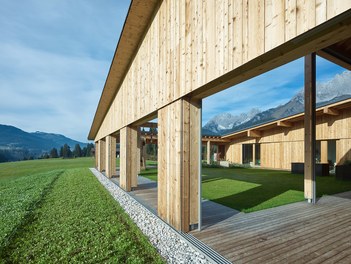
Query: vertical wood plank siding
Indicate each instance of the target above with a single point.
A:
(282, 145)
(178, 125)
(192, 42)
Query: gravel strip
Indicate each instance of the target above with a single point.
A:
(165, 239)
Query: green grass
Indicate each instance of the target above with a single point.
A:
(29, 167)
(65, 215)
(148, 162)
(19, 196)
(250, 190)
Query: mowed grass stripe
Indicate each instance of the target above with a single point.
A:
(29, 167)
(79, 221)
(18, 197)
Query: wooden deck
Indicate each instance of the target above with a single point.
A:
(294, 233)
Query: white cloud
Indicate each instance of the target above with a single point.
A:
(273, 88)
(263, 92)
(54, 59)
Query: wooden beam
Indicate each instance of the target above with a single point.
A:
(254, 133)
(218, 139)
(284, 124)
(330, 111)
(310, 128)
(330, 57)
(149, 125)
(110, 156)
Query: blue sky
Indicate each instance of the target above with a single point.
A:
(55, 56)
(54, 59)
(266, 91)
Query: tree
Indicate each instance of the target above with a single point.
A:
(66, 151)
(90, 147)
(84, 152)
(61, 152)
(77, 152)
(53, 153)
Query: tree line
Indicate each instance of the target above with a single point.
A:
(66, 152)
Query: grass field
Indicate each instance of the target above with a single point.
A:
(250, 190)
(55, 211)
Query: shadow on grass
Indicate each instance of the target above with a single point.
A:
(251, 190)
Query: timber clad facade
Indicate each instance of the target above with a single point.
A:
(282, 141)
(171, 54)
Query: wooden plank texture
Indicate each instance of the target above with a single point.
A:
(178, 152)
(128, 157)
(196, 48)
(284, 234)
(310, 127)
(110, 156)
(101, 155)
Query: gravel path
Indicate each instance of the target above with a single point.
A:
(167, 241)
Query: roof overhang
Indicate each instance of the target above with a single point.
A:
(139, 17)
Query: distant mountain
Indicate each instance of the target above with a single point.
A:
(227, 121)
(19, 144)
(337, 89)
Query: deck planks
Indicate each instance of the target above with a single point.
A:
(294, 233)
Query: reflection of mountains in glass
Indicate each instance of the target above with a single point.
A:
(334, 90)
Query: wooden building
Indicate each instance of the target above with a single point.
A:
(173, 53)
(279, 143)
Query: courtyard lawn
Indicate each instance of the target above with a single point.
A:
(249, 190)
(64, 215)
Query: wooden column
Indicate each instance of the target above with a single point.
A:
(178, 163)
(310, 127)
(96, 154)
(101, 155)
(324, 151)
(142, 155)
(208, 152)
(139, 146)
(253, 155)
(110, 156)
(128, 158)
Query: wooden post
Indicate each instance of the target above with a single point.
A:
(178, 163)
(139, 146)
(253, 154)
(310, 127)
(96, 154)
(143, 154)
(110, 156)
(324, 151)
(208, 152)
(128, 158)
(101, 155)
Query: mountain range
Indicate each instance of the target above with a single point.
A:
(337, 89)
(19, 144)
